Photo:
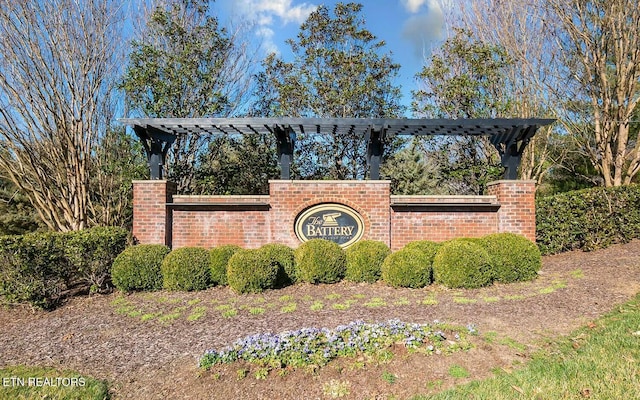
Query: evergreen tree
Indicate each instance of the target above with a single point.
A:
(186, 66)
(464, 80)
(411, 173)
(338, 70)
(238, 165)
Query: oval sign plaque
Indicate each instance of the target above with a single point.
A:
(335, 222)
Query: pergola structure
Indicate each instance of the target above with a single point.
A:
(509, 136)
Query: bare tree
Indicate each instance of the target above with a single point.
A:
(519, 27)
(58, 61)
(600, 42)
(117, 161)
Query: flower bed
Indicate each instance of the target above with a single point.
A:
(317, 347)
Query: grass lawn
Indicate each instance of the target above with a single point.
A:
(599, 361)
(29, 383)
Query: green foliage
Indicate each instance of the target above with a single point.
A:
(119, 159)
(595, 362)
(186, 268)
(427, 247)
(320, 261)
(33, 269)
(407, 268)
(466, 79)
(17, 215)
(462, 264)
(185, 66)
(138, 267)
(91, 253)
(283, 257)
(174, 71)
(252, 271)
(364, 260)
(458, 372)
(40, 268)
(64, 384)
(588, 219)
(238, 165)
(339, 69)
(513, 257)
(218, 261)
(576, 172)
(411, 172)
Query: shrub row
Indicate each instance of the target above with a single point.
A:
(464, 262)
(40, 268)
(459, 263)
(588, 219)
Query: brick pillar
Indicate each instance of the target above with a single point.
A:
(517, 213)
(151, 217)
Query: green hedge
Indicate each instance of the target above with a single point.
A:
(320, 261)
(364, 261)
(462, 263)
(91, 252)
(138, 267)
(427, 247)
(41, 268)
(407, 268)
(283, 257)
(252, 271)
(218, 261)
(186, 268)
(514, 258)
(33, 269)
(588, 219)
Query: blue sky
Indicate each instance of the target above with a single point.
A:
(409, 27)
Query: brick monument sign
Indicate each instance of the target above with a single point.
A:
(342, 211)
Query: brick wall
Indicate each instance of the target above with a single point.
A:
(517, 212)
(210, 221)
(248, 229)
(370, 199)
(150, 213)
(160, 216)
(440, 218)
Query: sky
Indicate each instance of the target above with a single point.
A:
(410, 28)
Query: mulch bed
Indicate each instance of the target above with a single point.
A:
(156, 360)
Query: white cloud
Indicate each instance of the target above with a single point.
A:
(282, 9)
(266, 36)
(420, 30)
(266, 13)
(413, 5)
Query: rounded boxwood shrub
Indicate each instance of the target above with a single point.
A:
(428, 247)
(186, 268)
(283, 257)
(251, 271)
(218, 261)
(513, 257)
(462, 263)
(364, 260)
(320, 261)
(138, 267)
(407, 268)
